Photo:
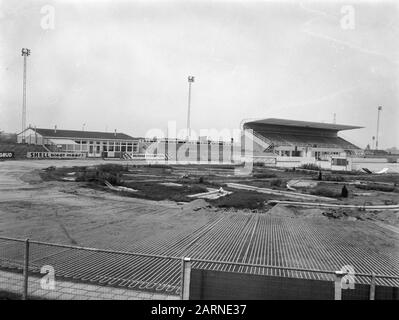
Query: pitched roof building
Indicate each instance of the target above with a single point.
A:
(94, 143)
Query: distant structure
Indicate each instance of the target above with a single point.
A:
(25, 54)
(92, 143)
(190, 81)
(310, 142)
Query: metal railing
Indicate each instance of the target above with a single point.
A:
(42, 270)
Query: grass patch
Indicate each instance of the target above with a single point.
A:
(157, 192)
(325, 192)
(264, 175)
(390, 177)
(377, 187)
(332, 177)
(310, 166)
(243, 200)
(278, 183)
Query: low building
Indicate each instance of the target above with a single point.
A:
(92, 143)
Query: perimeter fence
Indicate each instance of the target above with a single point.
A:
(40, 270)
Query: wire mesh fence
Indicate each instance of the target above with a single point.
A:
(12, 257)
(215, 280)
(40, 270)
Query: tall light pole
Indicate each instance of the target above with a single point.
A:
(378, 127)
(190, 81)
(25, 54)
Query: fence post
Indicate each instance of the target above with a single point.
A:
(26, 271)
(338, 285)
(185, 278)
(372, 287)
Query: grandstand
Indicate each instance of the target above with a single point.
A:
(294, 138)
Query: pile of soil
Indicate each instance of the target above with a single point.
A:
(388, 216)
(313, 213)
(280, 210)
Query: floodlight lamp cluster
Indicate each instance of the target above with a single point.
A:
(25, 52)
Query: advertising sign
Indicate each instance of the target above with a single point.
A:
(6, 155)
(55, 155)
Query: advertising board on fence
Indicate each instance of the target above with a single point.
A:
(6, 155)
(55, 155)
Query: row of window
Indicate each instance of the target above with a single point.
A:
(316, 154)
(101, 146)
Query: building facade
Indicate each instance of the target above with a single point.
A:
(92, 143)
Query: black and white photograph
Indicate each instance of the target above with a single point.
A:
(199, 154)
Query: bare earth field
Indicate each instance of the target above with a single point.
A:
(36, 203)
(68, 212)
(73, 212)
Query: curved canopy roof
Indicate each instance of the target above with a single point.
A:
(303, 124)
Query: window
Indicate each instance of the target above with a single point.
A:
(339, 162)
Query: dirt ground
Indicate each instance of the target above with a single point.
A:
(69, 212)
(72, 212)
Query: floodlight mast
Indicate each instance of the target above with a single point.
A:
(25, 53)
(378, 127)
(190, 81)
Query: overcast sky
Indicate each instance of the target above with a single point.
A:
(124, 64)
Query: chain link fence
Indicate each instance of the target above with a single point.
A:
(40, 270)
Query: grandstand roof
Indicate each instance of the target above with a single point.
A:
(303, 124)
(76, 134)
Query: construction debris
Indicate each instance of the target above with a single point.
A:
(69, 179)
(384, 170)
(171, 184)
(119, 188)
(211, 194)
(290, 194)
(301, 184)
(330, 205)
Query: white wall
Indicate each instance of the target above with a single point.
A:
(374, 164)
